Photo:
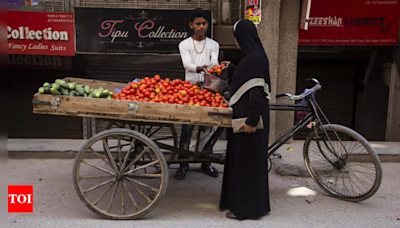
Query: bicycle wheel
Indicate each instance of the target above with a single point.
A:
(343, 163)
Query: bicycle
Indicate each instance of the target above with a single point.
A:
(326, 155)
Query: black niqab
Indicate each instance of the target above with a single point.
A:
(255, 60)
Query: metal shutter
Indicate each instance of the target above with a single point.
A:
(336, 98)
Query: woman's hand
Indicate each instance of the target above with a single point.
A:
(226, 63)
(247, 128)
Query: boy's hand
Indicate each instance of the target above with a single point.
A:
(201, 68)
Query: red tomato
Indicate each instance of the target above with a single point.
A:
(171, 101)
(222, 65)
(165, 98)
(185, 99)
(165, 84)
(167, 80)
(191, 93)
(225, 105)
(183, 93)
(147, 94)
(146, 99)
(196, 101)
(208, 105)
(142, 81)
(208, 99)
(201, 92)
(180, 102)
(211, 71)
(201, 97)
(172, 83)
(157, 77)
(164, 91)
(153, 81)
(171, 92)
(176, 90)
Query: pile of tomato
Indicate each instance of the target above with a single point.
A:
(169, 91)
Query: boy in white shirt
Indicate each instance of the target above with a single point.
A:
(198, 53)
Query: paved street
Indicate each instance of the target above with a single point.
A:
(194, 202)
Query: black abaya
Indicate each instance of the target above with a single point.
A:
(245, 189)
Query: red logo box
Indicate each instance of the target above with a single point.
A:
(20, 199)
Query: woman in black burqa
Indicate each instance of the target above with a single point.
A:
(245, 184)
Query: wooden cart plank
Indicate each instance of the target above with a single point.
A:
(94, 84)
(122, 110)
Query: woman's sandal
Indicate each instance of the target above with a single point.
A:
(231, 215)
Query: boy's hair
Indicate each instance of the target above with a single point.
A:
(199, 12)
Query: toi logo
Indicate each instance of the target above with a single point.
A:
(20, 199)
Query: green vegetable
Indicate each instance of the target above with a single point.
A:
(101, 89)
(73, 93)
(46, 89)
(62, 83)
(56, 86)
(46, 84)
(85, 95)
(41, 90)
(64, 91)
(54, 91)
(91, 95)
(111, 93)
(91, 90)
(87, 89)
(109, 97)
(106, 93)
(72, 85)
(98, 94)
(80, 90)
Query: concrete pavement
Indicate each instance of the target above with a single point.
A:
(194, 201)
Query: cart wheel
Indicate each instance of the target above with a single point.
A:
(343, 163)
(150, 130)
(111, 181)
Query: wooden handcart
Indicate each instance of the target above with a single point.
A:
(122, 172)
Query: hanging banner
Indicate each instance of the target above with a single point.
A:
(356, 22)
(40, 33)
(132, 31)
(253, 11)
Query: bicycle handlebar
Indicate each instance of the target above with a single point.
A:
(305, 93)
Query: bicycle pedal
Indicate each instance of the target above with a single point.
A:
(276, 155)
